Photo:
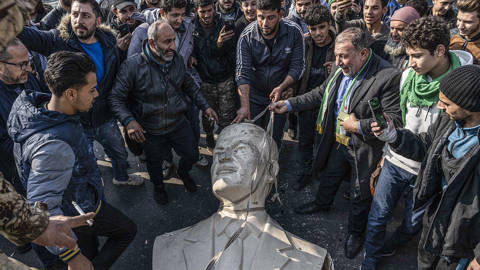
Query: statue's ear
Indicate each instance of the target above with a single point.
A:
(273, 169)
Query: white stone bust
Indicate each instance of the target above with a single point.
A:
(263, 244)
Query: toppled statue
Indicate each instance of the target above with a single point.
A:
(243, 152)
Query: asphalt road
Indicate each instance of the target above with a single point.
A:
(325, 229)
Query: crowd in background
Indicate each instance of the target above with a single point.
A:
(382, 94)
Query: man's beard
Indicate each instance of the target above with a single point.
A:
(394, 48)
(88, 33)
(7, 77)
(160, 53)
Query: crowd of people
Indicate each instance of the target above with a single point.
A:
(382, 94)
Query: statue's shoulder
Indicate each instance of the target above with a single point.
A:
(303, 254)
(169, 248)
(310, 253)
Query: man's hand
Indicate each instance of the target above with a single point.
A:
(278, 107)
(58, 231)
(388, 134)
(123, 42)
(211, 114)
(135, 131)
(276, 94)
(350, 124)
(328, 66)
(356, 8)
(287, 93)
(242, 113)
(80, 262)
(224, 36)
(192, 61)
(473, 265)
(343, 6)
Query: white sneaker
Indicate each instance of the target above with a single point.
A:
(202, 162)
(133, 180)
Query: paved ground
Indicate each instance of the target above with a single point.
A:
(326, 229)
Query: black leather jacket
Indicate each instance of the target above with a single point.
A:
(154, 95)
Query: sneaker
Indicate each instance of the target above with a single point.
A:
(133, 180)
(202, 162)
(210, 140)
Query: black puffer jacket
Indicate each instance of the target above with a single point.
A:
(452, 221)
(63, 39)
(143, 92)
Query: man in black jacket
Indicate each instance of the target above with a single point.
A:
(214, 50)
(319, 57)
(81, 31)
(148, 98)
(249, 9)
(448, 184)
(15, 77)
(344, 121)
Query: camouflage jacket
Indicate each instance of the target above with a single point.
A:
(20, 222)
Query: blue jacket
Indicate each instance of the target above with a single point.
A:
(263, 69)
(63, 39)
(56, 164)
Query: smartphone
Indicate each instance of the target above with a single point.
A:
(229, 25)
(377, 112)
(123, 29)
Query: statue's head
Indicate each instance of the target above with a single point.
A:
(240, 149)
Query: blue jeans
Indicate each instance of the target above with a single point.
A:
(108, 135)
(392, 184)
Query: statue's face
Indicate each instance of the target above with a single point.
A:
(235, 158)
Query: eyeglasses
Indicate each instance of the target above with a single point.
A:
(23, 65)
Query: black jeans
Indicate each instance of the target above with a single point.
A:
(278, 125)
(306, 138)
(341, 159)
(158, 148)
(109, 222)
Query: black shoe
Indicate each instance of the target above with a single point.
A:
(310, 208)
(210, 140)
(188, 182)
(353, 245)
(159, 195)
(304, 181)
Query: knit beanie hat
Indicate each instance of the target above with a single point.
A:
(462, 87)
(405, 14)
(330, 2)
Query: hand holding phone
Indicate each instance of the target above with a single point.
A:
(377, 112)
